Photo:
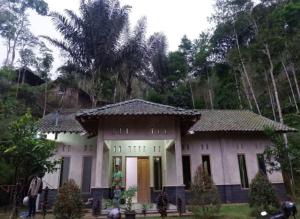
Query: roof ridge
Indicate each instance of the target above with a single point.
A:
(135, 100)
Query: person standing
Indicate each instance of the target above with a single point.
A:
(36, 186)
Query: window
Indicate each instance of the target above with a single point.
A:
(117, 163)
(64, 170)
(186, 165)
(243, 171)
(86, 174)
(157, 168)
(261, 163)
(206, 164)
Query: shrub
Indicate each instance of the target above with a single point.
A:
(162, 203)
(205, 200)
(262, 195)
(68, 204)
(128, 195)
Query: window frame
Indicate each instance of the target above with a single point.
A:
(258, 166)
(60, 182)
(190, 186)
(208, 155)
(161, 173)
(246, 169)
(82, 176)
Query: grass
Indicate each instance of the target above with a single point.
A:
(227, 211)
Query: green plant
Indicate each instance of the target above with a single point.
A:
(107, 203)
(68, 204)
(205, 201)
(128, 195)
(162, 203)
(26, 152)
(146, 207)
(262, 195)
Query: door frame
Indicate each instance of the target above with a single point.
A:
(145, 157)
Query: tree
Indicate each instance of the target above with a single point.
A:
(68, 204)
(206, 201)
(278, 156)
(157, 73)
(14, 24)
(26, 153)
(262, 195)
(91, 42)
(43, 67)
(134, 57)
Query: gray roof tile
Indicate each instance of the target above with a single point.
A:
(63, 121)
(235, 120)
(137, 107)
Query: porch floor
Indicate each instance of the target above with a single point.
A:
(139, 207)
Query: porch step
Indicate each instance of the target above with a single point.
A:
(139, 209)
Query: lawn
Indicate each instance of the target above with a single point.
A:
(228, 211)
(238, 211)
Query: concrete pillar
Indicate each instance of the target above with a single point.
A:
(178, 156)
(99, 157)
(180, 191)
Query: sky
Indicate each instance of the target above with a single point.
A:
(174, 18)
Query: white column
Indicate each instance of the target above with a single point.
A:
(99, 157)
(178, 155)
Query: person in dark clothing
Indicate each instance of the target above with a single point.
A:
(35, 188)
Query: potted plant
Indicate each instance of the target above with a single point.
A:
(128, 195)
(145, 208)
(162, 204)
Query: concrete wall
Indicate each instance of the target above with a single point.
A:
(230, 146)
(140, 148)
(76, 147)
(139, 128)
(158, 136)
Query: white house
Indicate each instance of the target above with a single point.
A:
(158, 146)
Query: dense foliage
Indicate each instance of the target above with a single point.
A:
(262, 196)
(26, 152)
(205, 197)
(68, 204)
(249, 60)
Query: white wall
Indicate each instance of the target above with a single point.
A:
(137, 148)
(197, 145)
(76, 147)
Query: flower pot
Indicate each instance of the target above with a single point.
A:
(130, 215)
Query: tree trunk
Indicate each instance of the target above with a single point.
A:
(210, 91)
(16, 39)
(115, 90)
(246, 72)
(45, 98)
(267, 52)
(290, 84)
(295, 80)
(246, 93)
(192, 93)
(8, 53)
(18, 82)
(238, 91)
(271, 97)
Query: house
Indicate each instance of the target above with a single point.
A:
(158, 146)
(25, 75)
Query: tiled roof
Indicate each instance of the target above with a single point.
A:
(210, 120)
(62, 121)
(235, 120)
(137, 107)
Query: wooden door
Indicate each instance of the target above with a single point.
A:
(143, 180)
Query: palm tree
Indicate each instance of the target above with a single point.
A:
(134, 56)
(157, 72)
(91, 42)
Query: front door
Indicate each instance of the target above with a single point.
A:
(143, 179)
